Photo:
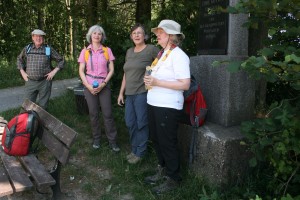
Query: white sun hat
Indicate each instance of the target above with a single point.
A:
(170, 27)
(38, 32)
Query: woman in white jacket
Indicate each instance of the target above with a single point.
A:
(170, 76)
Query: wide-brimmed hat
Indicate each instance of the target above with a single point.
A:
(170, 27)
(38, 32)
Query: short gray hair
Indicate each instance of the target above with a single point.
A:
(176, 39)
(94, 29)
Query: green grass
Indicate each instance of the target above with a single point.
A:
(103, 174)
(11, 77)
(90, 167)
(106, 175)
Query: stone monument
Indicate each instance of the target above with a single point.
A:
(230, 97)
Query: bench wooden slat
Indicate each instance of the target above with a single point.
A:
(5, 186)
(53, 124)
(57, 138)
(18, 177)
(37, 171)
(58, 149)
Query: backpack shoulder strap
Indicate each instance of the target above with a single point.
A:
(87, 54)
(10, 132)
(105, 51)
(28, 48)
(32, 129)
(47, 51)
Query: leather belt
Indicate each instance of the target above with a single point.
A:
(96, 77)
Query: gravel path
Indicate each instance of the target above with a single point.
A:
(13, 97)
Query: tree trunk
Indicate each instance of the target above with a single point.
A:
(256, 42)
(40, 19)
(92, 12)
(70, 31)
(143, 11)
(103, 14)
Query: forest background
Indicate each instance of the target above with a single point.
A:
(66, 23)
(274, 60)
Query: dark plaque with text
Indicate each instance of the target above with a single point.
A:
(213, 28)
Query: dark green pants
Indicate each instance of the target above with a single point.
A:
(38, 92)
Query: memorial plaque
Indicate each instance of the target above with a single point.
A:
(213, 28)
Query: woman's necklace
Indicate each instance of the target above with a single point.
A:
(160, 53)
(154, 63)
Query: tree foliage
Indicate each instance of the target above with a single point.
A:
(66, 23)
(275, 136)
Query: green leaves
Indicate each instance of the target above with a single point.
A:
(276, 140)
(267, 52)
(292, 58)
(234, 66)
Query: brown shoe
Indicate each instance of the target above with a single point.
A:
(166, 186)
(129, 156)
(160, 172)
(134, 159)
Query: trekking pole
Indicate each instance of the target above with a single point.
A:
(192, 146)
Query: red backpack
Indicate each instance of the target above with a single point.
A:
(195, 111)
(195, 108)
(20, 132)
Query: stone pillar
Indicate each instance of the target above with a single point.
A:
(218, 155)
(229, 96)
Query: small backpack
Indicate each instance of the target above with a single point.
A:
(195, 111)
(88, 54)
(194, 107)
(20, 132)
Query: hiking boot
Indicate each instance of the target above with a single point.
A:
(129, 156)
(114, 147)
(160, 172)
(96, 146)
(166, 186)
(134, 159)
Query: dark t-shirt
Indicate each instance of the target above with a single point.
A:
(135, 66)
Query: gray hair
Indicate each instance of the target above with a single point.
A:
(94, 29)
(176, 39)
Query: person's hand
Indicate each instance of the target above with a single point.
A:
(96, 90)
(24, 75)
(93, 91)
(149, 81)
(51, 74)
(121, 100)
(25, 78)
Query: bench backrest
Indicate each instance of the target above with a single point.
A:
(57, 137)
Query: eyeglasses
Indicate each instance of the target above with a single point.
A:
(137, 33)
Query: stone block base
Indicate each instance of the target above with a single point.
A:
(218, 156)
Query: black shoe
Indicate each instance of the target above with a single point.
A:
(166, 186)
(160, 172)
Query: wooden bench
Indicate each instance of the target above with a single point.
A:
(18, 174)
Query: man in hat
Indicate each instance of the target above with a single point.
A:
(34, 63)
